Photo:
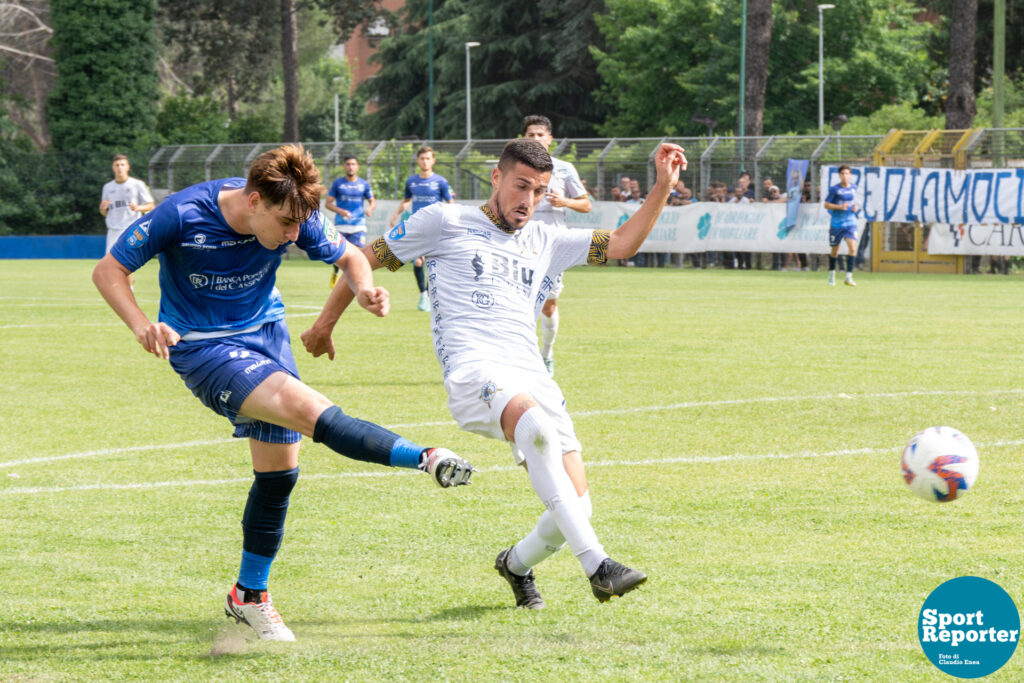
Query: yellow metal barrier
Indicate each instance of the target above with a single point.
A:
(903, 247)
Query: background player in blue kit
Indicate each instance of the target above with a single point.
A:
(423, 189)
(222, 327)
(347, 198)
(843, 227)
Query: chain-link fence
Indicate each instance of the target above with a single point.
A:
(602, 162)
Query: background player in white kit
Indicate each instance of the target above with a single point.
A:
(490, 270)
(565, 191)
(123, 200)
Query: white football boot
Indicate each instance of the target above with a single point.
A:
(260, 615)
(446, 468)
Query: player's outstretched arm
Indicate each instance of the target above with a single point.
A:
(403, 206)
(627, 238)
(111, 279)
(358, 266)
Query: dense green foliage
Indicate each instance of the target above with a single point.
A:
(533, 58)
(105, 97)
(667, 62)
(742, 432)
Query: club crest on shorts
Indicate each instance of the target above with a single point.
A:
(488, 392)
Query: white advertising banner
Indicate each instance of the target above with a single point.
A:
(705, 226)
(713, 226)
(976, 240)
(935, 195)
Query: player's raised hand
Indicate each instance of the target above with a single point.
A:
(376, 300)
(670, 161)
(157, 338)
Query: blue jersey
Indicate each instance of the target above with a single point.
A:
(837, 194)
(349, 195)
(214, 280)
(427, 191)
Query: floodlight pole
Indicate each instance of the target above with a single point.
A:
(469, 118)
(821, 67)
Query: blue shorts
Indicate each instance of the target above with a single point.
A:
(836, 235)
(222, 372)
(356, 239)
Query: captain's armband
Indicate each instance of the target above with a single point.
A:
(598, 254)
(383, 253)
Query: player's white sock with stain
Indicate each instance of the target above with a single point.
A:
(541, 543)
(548, 332)
(537, 437)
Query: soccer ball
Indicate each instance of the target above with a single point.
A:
(940, 464)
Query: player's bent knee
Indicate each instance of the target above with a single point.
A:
(536, 432)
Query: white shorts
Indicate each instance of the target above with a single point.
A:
(112, 236)
(556, 290)
(479, 392)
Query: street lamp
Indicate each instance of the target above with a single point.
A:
(837, 125)
(821, 67)
(337, 116)
(469, 118)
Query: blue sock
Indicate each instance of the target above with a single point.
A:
(420, 281)
(362, 440)
(254, 572)
(263, 525)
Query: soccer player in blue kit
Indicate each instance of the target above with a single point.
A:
(222, 328)
(347, 198)
(423, 189)
(843, 227)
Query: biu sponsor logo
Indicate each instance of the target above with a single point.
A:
(200, 238)
(198, 280)
(398, 232)
(224, 396)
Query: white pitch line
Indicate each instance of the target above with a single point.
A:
(577, 414)
(681, 460)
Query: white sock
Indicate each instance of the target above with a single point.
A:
(537, 437)
(543, 542)
(548, 332)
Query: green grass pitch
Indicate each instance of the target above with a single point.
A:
(742, 432)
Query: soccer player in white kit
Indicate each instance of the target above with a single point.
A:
(490, 269)
(123, 200)
(565, 191)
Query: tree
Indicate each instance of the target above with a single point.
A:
(533, 58)
(666, 62)
(219, 47)
(105, 95)
(960, 105)
(759, 43)
(26, 65)
(290, 68)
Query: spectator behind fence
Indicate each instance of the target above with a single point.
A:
(617, 195)
(740, 259)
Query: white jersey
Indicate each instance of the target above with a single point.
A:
(565, 181)
(487, 282)
(120, 195)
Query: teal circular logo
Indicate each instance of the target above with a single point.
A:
(968, 627)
